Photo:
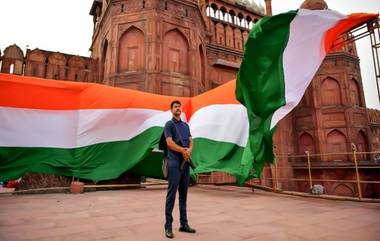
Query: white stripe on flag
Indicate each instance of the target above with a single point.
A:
(77, 128)
(227, 123)
(303, 54)
(74, 128)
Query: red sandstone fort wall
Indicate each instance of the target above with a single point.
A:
(48, 64)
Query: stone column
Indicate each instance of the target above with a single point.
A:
(268, 7)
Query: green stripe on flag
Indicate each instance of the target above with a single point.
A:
(260, 87)
(96, 162)
(109, 160)
(209, 156)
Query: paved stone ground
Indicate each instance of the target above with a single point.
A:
(224, 213)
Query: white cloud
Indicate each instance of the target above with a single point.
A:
(55, 25)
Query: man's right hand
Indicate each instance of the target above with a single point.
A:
(186, 154)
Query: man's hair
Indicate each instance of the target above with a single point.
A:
(174, 102)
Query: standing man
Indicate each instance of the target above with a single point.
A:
(180, 145)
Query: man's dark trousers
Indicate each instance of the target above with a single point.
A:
(177, 180)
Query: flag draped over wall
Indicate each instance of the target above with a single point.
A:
(98, 132)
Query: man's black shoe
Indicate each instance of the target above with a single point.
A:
(169, 233)
(187, 229)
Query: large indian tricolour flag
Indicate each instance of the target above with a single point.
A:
(282, 55)
(98, 132)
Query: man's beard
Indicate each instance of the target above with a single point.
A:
(177, 113)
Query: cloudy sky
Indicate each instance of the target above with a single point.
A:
(66, 26)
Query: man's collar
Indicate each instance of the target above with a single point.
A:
(175, 120)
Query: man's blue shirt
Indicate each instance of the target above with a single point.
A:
(184, 131)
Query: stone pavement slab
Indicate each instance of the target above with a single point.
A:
(223, 213)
